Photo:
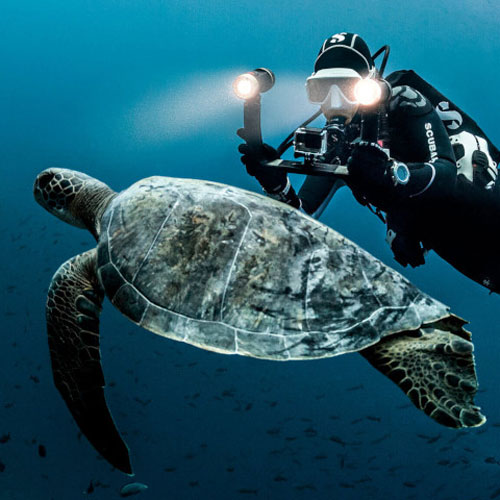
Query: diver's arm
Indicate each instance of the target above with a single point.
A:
(316, 192)
(274, 182)
(422, 137)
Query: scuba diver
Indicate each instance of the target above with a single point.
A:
(431, 170)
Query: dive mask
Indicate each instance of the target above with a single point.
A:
(340, 91)
(333, 89)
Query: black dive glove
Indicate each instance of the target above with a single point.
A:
(370, 174)
(272, 180)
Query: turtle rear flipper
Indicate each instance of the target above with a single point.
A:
(435, 368)
(73, 308)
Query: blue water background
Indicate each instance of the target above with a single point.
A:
(126, 89)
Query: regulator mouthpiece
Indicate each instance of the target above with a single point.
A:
(249, 85)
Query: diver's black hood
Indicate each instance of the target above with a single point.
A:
(345, 50)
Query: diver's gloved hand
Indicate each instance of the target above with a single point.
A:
(271, 180)
(370, 175)
(406, 250)
(369, 164)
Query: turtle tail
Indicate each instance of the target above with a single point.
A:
(73, 308)
(434, 366)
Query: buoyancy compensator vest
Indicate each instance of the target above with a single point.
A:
(476, 156)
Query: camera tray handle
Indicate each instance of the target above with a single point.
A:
(251, 122)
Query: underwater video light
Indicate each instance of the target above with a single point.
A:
(367, 92)
(250, 85)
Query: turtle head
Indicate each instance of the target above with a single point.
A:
(74, 197)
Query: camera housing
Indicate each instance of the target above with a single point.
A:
(310, 141)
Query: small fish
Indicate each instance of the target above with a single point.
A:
(409, 484)
(338, 440)
(42, 451)
(429, 439)
(346, 485)
(5, 438)
(130, 489)
(142, 401)
(246, 491)
(307, 486)
(380, 439)
(273, 431)
(364, 479)
(2, 466)
(491, 460)
(279, 478)
(169, 469)
(495, 494)
(310, 432)
(355, 387)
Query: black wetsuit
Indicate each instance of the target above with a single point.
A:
(436, 208)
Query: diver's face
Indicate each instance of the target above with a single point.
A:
(335, 94)
(337, 103)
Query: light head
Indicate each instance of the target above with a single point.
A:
(367, 92)
(250, 85)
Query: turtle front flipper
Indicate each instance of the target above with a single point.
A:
(435, 368)
(73, 308)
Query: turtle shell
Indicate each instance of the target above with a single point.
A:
(235, 272)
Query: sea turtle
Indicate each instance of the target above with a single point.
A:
(235, 272)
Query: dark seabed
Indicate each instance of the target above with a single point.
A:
(126, 89)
